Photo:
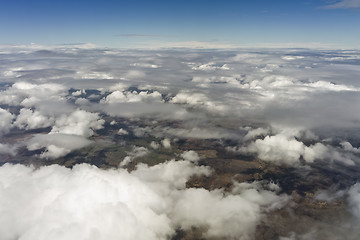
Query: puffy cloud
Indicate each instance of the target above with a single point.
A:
(29, 119)
(252, 133)
(198, 100)
(348, 147)
(56, 144)
(78, 122)
(354, 199)
(211, 66)
(154, 145)
(135, 153)
(148, 203)
(292, 57)
(328, 86)
(123, 132)
(142, 96)
(95, 75)
(78, 93)
(283, 149)
(6, 121)
(191, 156)
(166, 143)
(230, 216)
(28, 94)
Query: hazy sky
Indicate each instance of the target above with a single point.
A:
(325, 23)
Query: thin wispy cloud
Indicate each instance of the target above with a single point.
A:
(344, 4)
(136, 35)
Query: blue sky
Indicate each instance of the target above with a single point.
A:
(331, 24)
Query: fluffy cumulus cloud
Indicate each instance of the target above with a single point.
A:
(354, 199)
(135, 153)
(142, 96)
(56, 144)
(6, 121)
(148, 203)
(79, 122)
(198, 100)
(285, 149)
(28, 94)
(191, 156)
(29, 119)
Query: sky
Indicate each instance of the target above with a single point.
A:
(154, 24)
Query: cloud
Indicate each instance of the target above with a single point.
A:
(193, 45)
(148, 203)
(211, 66)
(28, 94)
(78, 122)
(354, 199)
(224, 215)
(56, 144)
(283, 149)
(135, 74)
(144, 109)
(135, 153)
(7, 149)
(6, 121)
(198, 100)
(29, 119)
(136, 35)
(166, 143)
(124, 96)
(344, 4)
(191, 156)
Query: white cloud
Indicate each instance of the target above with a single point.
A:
(191, 156)
(56, 144)
(135, 153)
(122, 132)
(291, 58)
(135, 74)
(348, 147)
(284, 149)
(29, 119)
(354, 199)
(143, 96)
(252, 133)
(198, 100)
(148, 203)
(166, 143)
(94, 75)
(28, 94)
(344, 4)
(211, 66)
(78, 122)
(6, 121)
(229, 216)
(78, 93)
(154, 145)
(145, 65)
